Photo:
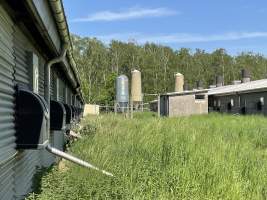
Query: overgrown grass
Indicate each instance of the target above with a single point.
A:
(200, 157)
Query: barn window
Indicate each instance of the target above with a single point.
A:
(200, 97)
(262, 100)
(260, 104)
(230, 104)
(214, 103)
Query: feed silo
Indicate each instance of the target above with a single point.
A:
(122, 93)
(186, 86)
(199, 85)
(179, 82)
(219, 81)
(136, 89)
(245, 76)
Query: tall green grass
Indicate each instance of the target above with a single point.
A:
(199, 157)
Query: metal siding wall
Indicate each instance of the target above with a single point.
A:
(72, 99)
(69, 96)
(61, 91)
(41, 76)
(225, 100)
(251, 100)
(21, 69)
(53, 82)
(7, 126)
(64, 92)
(27, 160)
(47, 159)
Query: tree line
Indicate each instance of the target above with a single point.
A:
(99, 65)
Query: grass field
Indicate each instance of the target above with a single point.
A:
(200, 157)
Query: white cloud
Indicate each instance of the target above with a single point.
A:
(132, 13)
(181, 37)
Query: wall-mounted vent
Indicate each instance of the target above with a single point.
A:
(31, 119)
(57, 116)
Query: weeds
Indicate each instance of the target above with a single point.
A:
(199, 157)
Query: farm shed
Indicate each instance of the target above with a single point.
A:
(184, 103)
(33, 84)
(243, 98)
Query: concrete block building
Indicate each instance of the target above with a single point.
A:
(184, 103)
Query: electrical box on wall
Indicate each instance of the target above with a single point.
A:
(31, 119)
(57, 116)
(34, 71)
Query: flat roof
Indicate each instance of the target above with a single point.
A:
(252, 86)
(187, 92)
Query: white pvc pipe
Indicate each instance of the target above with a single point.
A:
(75, 160)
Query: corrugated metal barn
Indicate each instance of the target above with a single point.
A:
(244, 98)
(38, 76)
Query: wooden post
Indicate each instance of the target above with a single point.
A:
(128, 110)
(159, 105)
(115, 108)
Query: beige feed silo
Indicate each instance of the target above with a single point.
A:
(179, 82)
(136, 86)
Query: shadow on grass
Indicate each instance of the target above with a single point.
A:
(37, 180)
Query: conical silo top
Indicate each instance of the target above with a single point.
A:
(178, 74)
(123, 76)
(135, 71)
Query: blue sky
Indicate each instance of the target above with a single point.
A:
(236, 25)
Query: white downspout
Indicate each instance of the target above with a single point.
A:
(75, 160)
(49, 148)
(47, 77)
